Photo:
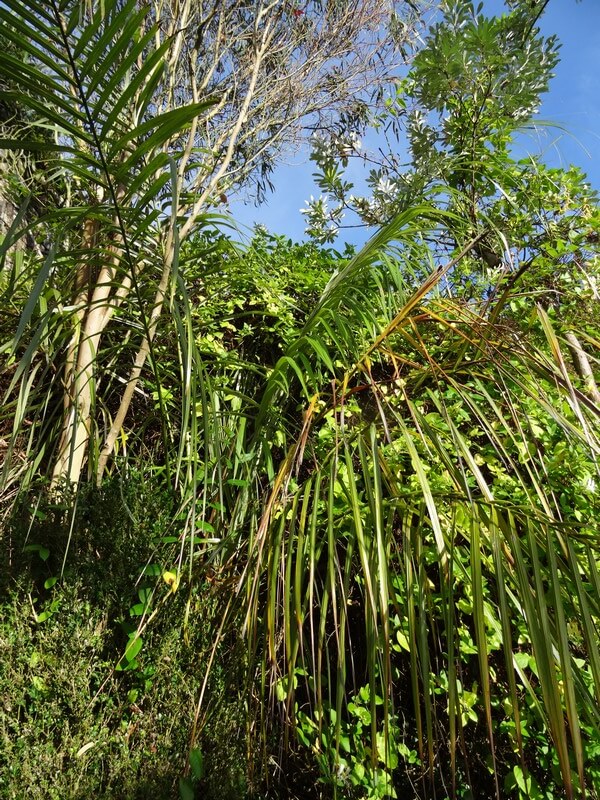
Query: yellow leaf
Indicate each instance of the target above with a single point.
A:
(171, 579)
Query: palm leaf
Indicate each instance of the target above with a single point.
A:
(480, 540)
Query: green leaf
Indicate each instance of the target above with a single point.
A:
(197, 763)
(34, 298)
(42, 551)
(133, 646)
(164, 126)
(186, 789)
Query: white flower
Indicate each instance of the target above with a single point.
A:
(355, 141)
(316, 207)
(322, 149)
(386, 187)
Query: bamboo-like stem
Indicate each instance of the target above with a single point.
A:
(582, 365)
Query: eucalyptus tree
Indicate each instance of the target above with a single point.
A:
(156, 112)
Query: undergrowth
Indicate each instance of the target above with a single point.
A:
(71, 724)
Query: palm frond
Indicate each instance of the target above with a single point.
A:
(389, 468)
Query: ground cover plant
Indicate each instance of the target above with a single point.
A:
(328, 526)
(74, 720)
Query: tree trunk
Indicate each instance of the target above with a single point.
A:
(95, 300)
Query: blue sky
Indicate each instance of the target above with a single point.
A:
(573, 104)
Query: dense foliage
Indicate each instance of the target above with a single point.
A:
(347, 538)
